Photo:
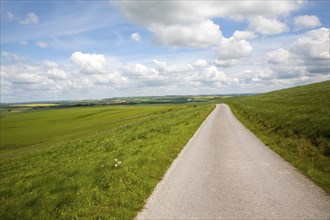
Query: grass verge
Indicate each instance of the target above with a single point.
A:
(295, 123)
(108, 176)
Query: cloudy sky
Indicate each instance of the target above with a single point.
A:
(61, 50)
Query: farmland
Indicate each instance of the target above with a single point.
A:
(89, 162)
(102, 159)
(295, 123)
(39, 128)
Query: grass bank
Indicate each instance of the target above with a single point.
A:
(107, 176)
(295, 123)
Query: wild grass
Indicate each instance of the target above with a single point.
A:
(107, 176)
(295, 123)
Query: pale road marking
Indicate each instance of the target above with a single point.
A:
(226, 172)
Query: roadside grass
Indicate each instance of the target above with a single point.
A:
(295, 123)
(107, 176)
(40, 128)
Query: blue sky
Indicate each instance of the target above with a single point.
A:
(60, 50)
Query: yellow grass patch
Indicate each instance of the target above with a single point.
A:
(36, 105)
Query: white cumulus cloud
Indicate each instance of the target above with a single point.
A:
(195, 35)
(176, 23)
(313, 50)
(233, 49)
(267, 26)
(139, 75)
(179, 12)
(141, 71)
(244, 35)
(307, 57)
(279, 56)
(313, 45)
(200, 63)
(90, 63)
(306, 22)
(210, 76)
(54, 71)
(230, 51)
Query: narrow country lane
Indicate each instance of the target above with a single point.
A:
(226, 172)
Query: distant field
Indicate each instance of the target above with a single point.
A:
(164, 99)
(39, 128)
(295, 123)
(35, 105)
(89, 175)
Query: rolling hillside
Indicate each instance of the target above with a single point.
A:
(295, 123)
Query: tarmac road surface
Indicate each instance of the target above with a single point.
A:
(226, 172)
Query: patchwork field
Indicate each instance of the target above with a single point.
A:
(89, 163)
(295, 123)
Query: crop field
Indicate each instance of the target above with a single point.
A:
(295, 123)
(103, 162)
(36, 105)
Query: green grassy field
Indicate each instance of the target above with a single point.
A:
(103, 162)
(295, 123)
(40, 128)
(104, 175)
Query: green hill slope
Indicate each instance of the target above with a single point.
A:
(295, 123)
(108, 175)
